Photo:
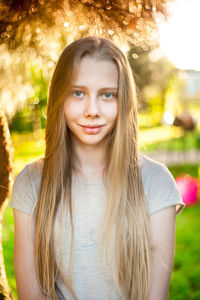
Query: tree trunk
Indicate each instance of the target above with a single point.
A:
(6, 168)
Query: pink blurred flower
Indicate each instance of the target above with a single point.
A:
(188, 188)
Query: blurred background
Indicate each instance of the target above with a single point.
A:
(161, 41)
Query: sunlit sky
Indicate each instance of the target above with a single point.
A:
(180, 35)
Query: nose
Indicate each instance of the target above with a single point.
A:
(91, 107)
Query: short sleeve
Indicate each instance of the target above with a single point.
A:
(23, 195)
(163, 191)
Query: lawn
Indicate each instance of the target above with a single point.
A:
(184, 282)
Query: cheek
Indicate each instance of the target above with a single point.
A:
(70, 112)
(112, 112)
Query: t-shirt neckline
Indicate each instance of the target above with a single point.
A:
(76, 178)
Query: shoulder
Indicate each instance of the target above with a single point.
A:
(159, 185)
(152, 170)
(149, 166)
(31, 172)
(26, 186)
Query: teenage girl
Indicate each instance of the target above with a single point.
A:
(101, 214)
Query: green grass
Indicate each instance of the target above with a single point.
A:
(183, 143)
(192, 170)
(8, 245)
(184, 284)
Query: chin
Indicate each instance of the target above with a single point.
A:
(93, 142)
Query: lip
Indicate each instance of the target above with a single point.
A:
(92, 129)
(91, 126)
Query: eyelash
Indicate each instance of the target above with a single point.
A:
(101, 94)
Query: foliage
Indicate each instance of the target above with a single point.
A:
(32, 117)
(151, 71)
(134, 18)
(37, 31)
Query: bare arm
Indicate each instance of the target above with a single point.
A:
(163, 226)
(25, 274)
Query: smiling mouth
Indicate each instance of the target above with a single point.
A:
(91, 126)
(92, 130)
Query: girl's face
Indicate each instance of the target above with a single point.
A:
(91, 108)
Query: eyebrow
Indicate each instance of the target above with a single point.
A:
(102, 89)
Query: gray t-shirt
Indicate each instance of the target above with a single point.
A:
(91, 278)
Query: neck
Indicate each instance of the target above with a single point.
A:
(89, 160)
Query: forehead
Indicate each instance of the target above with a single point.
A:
(91, 70)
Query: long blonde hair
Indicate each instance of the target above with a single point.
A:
(125, 234)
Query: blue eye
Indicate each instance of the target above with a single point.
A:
(107, 95)
(78, 94)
